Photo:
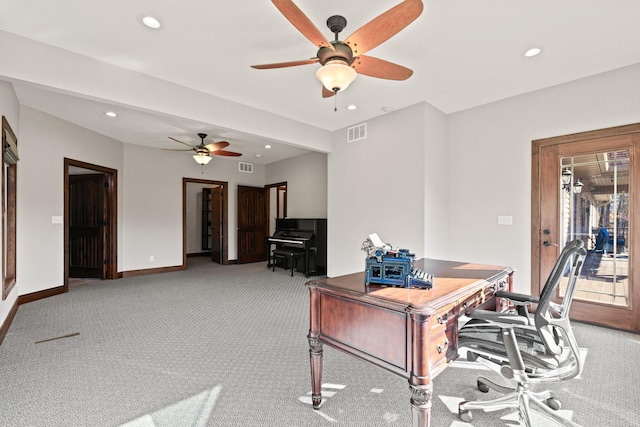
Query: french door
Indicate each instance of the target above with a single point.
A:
(586, 186)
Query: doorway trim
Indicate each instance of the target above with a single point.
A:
(111, 243)
(536, 194)
(283, 214)
(541, 150)
(225, 216)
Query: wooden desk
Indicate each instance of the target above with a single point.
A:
(410, 332)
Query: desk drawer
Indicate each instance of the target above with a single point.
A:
(483, 297)
(444, 334)
(475, 300)
(443, 348)
(443, 318)
(502, 304)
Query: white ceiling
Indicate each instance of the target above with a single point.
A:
(464, 53)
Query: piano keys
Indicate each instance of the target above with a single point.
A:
(307, 235)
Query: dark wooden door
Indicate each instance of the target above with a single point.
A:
(252, 224)
(216, 225)
(87, 217)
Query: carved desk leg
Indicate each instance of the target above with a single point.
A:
(315, 356)
(421, 404)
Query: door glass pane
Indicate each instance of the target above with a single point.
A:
(594, 204)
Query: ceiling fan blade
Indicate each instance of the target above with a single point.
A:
(301, 22)
(215, 146)
(177, 149)
(184, 143)
(285, 64)
(384, 26)
(326, 93)
(375, 67)
(225, 153)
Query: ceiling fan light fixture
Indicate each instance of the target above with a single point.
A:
(202, 159)
(336, 75)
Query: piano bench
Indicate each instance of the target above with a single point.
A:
(288, 256)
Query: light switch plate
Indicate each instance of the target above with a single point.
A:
(505, 220)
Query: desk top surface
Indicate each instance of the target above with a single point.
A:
(452, 280)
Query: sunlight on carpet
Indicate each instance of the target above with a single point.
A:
(193, 411)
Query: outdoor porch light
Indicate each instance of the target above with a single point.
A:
(566, 178)
(336, 75)
(577, 186)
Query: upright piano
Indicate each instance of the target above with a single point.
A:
(304, 234)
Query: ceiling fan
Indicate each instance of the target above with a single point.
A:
(342, 60)
(203, 152)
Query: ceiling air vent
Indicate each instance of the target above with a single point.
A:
(357, 132)
(245, 167)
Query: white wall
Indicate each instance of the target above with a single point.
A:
(378, 185)
(149, 197)
(306, 177)
(463, 170)
(152, 222)
(10, 108)
(44, 143)
(436, 191)
(490, 161)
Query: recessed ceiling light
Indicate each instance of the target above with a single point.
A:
(151, 22)
(352, 107)
(267, 146)
(111, 114)
(532, 52)
(387, 109)
(258, 155)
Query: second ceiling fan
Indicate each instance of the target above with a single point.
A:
(203, 152)
(342, 60)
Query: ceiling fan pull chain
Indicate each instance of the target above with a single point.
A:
(335, 101)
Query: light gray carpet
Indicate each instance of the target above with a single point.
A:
(226, 345)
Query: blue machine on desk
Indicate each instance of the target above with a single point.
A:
(388, 267)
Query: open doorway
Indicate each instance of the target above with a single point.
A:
(90, 222)
(205, 219)
(277, 204)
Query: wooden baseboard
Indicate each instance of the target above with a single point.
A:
(143, 272)
(34, 296)
(7, 322)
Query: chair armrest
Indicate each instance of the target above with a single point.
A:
(500, 319)
(518, 299)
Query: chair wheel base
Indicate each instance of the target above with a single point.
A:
(465, 415)
(553, 403)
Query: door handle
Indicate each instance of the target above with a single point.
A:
(548, 243)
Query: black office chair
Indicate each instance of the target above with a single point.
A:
(527, 348)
